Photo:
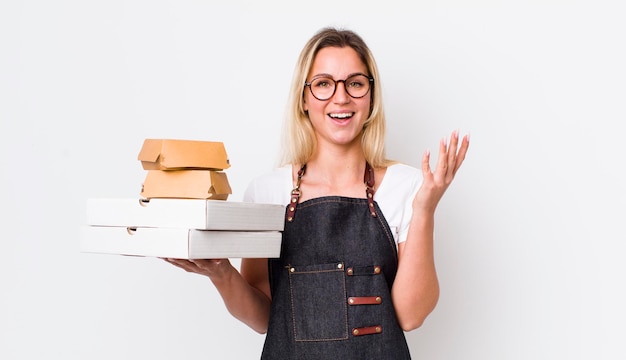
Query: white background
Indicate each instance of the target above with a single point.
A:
(529, 238)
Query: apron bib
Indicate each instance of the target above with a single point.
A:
(331, 285)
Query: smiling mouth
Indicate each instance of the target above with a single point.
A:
(341, 116)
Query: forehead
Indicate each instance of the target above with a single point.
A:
(337, 62)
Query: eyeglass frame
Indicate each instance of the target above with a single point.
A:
(369, 78)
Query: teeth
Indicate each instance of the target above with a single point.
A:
(341, 116)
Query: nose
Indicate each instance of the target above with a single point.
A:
(341, 95)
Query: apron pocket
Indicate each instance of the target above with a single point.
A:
(318, 302)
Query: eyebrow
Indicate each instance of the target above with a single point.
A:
(330, 76)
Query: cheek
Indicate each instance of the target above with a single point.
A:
(312, 105)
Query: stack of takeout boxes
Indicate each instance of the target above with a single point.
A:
(184, 169)
(182, 211)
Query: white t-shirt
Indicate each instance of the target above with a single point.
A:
(394, 195)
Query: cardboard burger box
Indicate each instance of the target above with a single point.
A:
(173, 154)
(187, 169)
(186, 184)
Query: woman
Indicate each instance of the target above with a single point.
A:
(357, 267)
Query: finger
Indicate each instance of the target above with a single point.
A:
(454, 142)
(426, 163)
(183, 264)
(462, 151)
(187, 265)
(207, 263)
(442, 160)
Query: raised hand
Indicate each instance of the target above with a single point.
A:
(436, 182)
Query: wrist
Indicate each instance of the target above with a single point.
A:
(423, 215)
(224, 273)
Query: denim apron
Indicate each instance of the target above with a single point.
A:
(331, 285)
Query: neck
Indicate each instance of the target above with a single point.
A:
(344, 160)
(336, 170)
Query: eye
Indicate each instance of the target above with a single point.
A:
(357, 82)
(322, 83)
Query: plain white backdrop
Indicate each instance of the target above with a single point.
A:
(529, 238)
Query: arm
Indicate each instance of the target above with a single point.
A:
(415, 291)
(246, 294)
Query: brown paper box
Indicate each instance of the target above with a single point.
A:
(186, 184)
(171, 154)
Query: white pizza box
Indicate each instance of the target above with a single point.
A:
(185, 213)
(180, 243)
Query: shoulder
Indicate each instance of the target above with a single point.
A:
(272, 187)
(403, 169)
(401, 177)
(395, 197)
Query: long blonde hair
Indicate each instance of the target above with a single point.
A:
(298, 135)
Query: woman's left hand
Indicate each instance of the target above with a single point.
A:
(436, 182)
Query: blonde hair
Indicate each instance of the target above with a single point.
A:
(298, 135)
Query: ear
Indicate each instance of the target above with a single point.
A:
(305, 107)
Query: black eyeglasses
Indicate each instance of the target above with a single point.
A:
(324, 87)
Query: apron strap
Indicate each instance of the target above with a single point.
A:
(368, 179)
(295, 195)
